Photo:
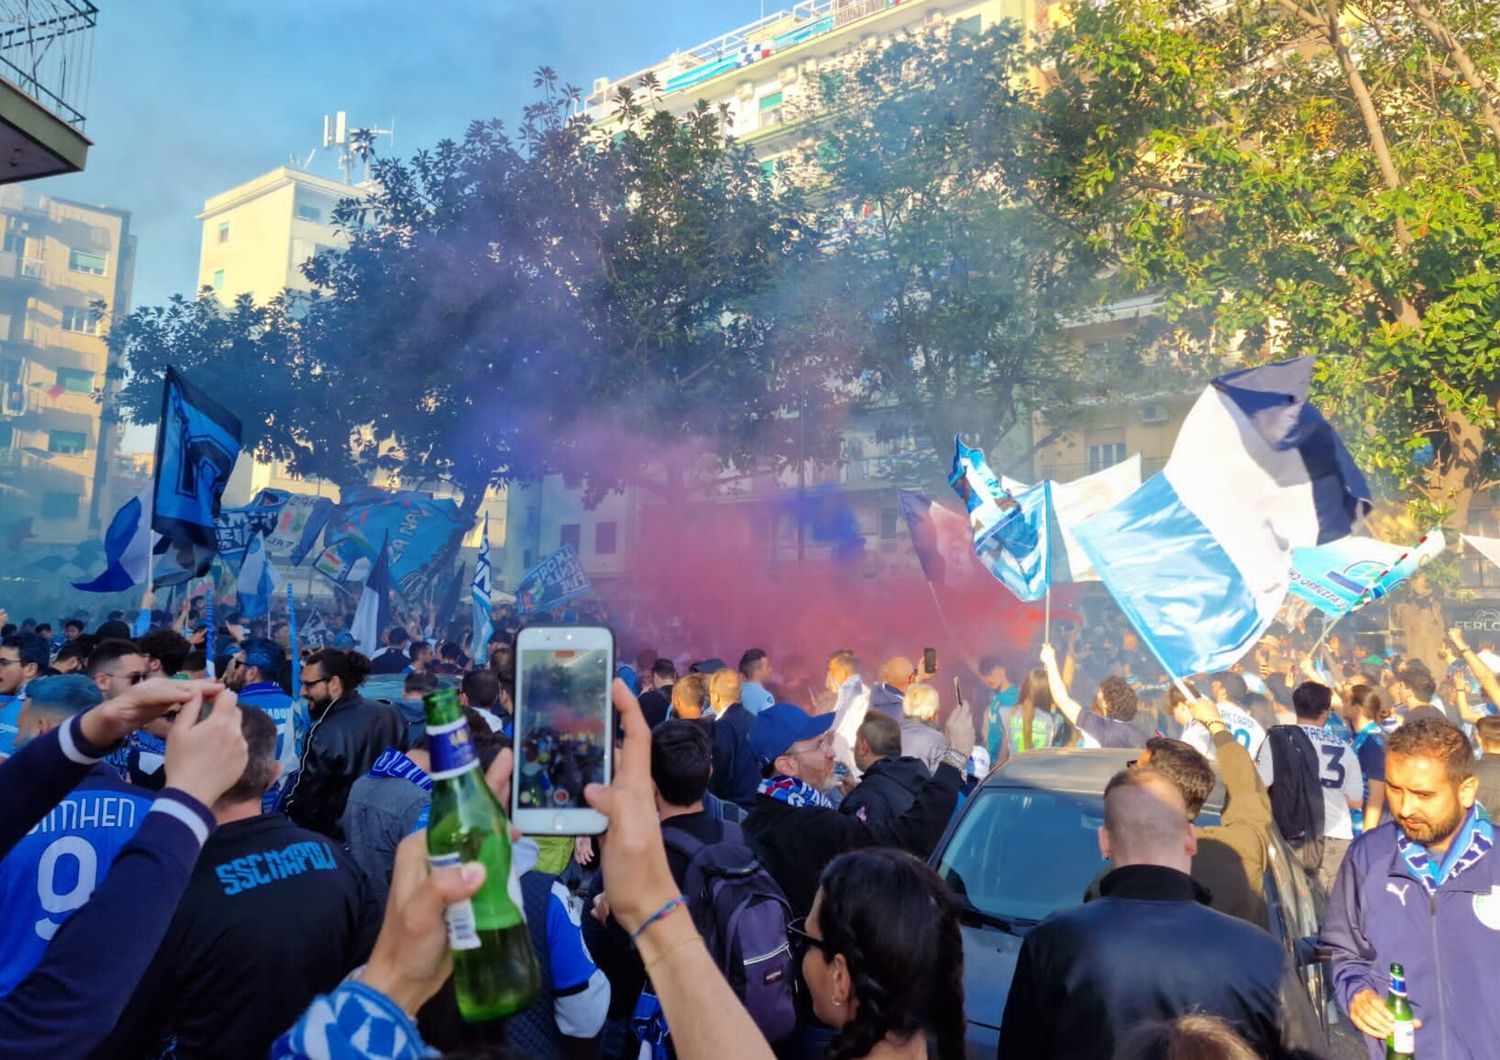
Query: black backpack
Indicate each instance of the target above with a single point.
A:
(1297, 793)
(742, 915)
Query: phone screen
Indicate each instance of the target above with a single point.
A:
(562, 741)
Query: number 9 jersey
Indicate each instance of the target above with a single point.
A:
(54, 869)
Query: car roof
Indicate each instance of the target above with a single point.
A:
(1074, 770)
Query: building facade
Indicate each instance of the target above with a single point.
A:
(65, 270)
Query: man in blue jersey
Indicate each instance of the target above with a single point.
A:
(23, 656)
(54, 869)
(252, 674)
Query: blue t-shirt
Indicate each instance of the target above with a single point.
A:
(10, 718)
(1004, 698)
(55, 867)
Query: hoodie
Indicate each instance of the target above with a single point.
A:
(887, 790)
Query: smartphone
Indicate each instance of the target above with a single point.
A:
(958, 693)
(929, 661)
(564, 727)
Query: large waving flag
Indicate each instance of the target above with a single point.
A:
(1199, 557)
(372, 616)
(258, 579)
(484, 625)
(1011, 530)
(197, 442)
(941, 538)
(127, 548)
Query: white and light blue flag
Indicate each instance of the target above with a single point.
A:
(127, 548)
(1011, 530)
(484, 625)
(258, 579)
(1074, 502)
(1199, 556)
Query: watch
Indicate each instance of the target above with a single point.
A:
(956, 760)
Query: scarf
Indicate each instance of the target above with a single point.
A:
(1475, 838)
(794, 792)
(392, 763)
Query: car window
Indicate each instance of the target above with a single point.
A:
(1023, 853)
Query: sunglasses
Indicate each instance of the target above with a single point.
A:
(133, 678)
(801, 941)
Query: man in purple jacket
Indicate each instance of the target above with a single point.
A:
(1423, 891)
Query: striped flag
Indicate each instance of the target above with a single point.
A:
(1199, 558)
(1011, 530)
(483, 626)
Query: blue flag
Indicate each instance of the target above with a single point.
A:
(127, 549)
(197, 442)
(1199, 557)
(1011, 530)
(372, 616)
(484, 624)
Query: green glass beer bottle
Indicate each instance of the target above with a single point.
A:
(1402, 1043)
(494, 969)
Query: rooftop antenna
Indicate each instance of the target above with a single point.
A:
(356, 146)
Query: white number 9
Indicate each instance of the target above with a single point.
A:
(46, 879)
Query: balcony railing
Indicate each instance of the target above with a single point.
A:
(46, 51)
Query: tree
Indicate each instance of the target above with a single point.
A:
(1305, 177)
(955, 290)
(508, 306)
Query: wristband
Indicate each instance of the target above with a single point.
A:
(956, 760)
(654, 917)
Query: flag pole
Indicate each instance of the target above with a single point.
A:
(291, 619)
(208, 633)
(1047, 597)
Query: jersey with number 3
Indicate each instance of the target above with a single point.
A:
(1339, 774)
(55, 867)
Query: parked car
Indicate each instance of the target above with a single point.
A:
(1025, 844)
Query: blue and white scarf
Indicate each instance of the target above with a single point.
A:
(1475, 839)
(794, 792)
(396, 766)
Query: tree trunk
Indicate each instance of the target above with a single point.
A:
(1460, 56)
(1419, 615)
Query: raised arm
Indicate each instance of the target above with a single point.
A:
(1065, 702)
(1248, 802)
(1482, 673)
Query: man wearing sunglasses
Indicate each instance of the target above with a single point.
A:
(22, 658)
(116, 667)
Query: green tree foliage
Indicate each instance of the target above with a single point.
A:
(1304, 177)
(955, 289)
(511, 306)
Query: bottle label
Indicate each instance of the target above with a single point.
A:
(451, 749)
(1404, 1037)
(463, 930)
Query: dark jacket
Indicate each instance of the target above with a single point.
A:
(1296, 791)
(736, 775)
(887, 789)
(1448, 943)
(341, 747)
(273, 915)
(74, 996)
(390, 661)
(1150, 949)
(796, 843)
(655, 705)
(738, 718)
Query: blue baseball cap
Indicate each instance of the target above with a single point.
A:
(778, 727)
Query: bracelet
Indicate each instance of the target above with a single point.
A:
(664, 954)
(954, 759)
(654, 917)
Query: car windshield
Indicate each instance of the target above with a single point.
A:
(1022, 853)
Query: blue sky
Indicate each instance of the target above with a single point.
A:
(189, 98)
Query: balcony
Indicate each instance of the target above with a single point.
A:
(45, 59)
(15, 267)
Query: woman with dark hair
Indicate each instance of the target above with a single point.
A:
(883, 960)
(1031, 723)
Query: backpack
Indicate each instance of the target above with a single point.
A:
(1297, 793)
(743, 916)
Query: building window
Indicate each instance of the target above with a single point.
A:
(7, 436)
(770, 109)
(890, 521)
(68, 442)
(604, 538)
(80, 319)
(1107, 455)
(224, 232)
(526, 557)
(571, 535)
(218, 279)
(15, 243)
(967, 27)
(10, 369)
(83, 261)
(59, 505)
(306, 212)
(75, 380)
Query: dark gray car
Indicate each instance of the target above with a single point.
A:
(1025, 844)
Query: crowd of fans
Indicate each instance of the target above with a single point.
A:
(204, 866)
